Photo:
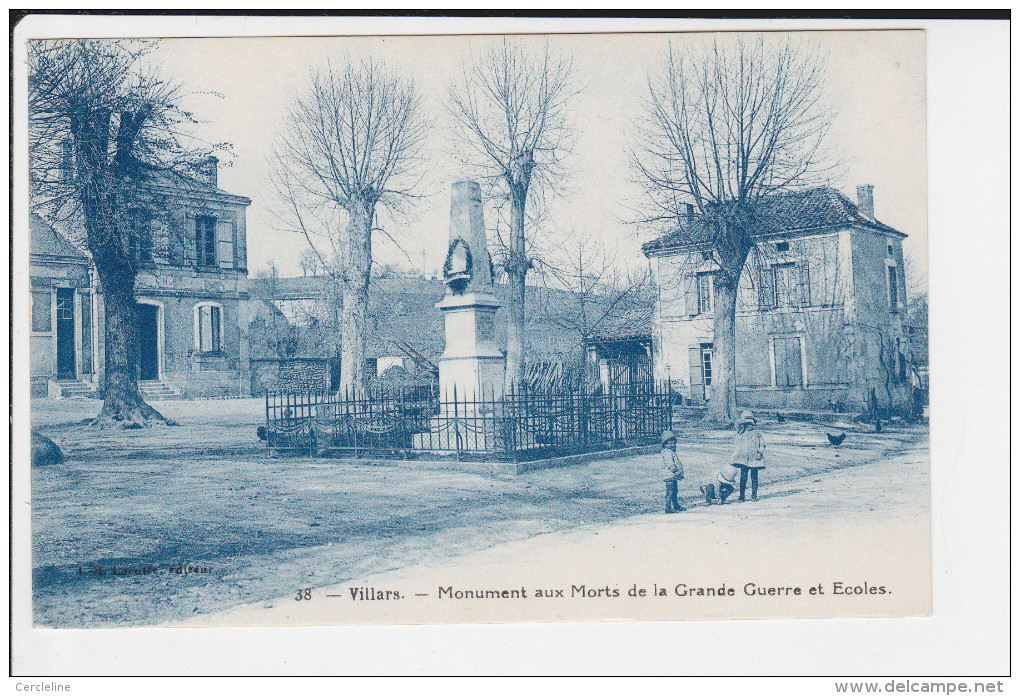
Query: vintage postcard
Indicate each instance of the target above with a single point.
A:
(513, 327)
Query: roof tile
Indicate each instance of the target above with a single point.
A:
(817, 208)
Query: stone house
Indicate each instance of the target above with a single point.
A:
(821, 307)
(191, 289)
(61, 339)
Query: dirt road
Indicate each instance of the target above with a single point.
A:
(205, 496)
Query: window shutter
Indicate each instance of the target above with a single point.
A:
(225, 242)
(191, 237)
(691, 294)
(787, 356)
(241, 262)
(805, 283)
(177, 237)
(766, 287)
(697, 378)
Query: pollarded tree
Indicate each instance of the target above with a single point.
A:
(104, 134)
(352, 144)
(723, 128)
(509, 106)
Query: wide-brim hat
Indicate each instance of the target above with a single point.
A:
(747, 417)
(667, 436)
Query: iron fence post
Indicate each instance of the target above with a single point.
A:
(456, 422)
(616, 421)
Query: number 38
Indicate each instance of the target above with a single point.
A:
(303, 594)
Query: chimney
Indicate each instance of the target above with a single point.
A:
(208, 171)
(689, 209)
(866, 201)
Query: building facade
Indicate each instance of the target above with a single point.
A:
(191, 289)
(821, 304)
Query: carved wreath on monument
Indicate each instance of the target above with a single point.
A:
(458, 268)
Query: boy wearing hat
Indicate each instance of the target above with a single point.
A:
(672, 471)
(726, 480)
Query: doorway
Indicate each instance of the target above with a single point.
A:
(65, 334)
(148, 342)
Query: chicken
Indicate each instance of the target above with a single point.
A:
(836, 440)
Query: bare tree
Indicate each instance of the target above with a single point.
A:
(724, 128)
(309, 262)
(352, 144)
(600, 298)
(105, 136)
(510, 109)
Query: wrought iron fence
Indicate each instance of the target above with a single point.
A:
(522, 425)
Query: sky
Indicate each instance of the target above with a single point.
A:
(242, 87)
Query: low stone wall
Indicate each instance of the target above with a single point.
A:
(208, 384)
(289, 375)
(501, 469)
(814, 399)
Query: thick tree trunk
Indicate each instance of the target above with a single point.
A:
(355, 269)
(517, 270)
(722, 406)
(123, 406)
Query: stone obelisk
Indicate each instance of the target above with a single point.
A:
(472, 361)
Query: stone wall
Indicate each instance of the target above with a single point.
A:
(289, 375)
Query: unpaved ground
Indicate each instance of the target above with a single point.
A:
(206, 494)
(859, 527)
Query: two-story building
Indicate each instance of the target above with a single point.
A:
(820, 307)
(191, 289)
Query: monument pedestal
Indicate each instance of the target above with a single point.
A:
(472, 362)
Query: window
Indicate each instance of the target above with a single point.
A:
(205, 240)
(782, 246)
(42, 320)
(705, 293)
(208, 328)
(786, 356)
(786, 285)
(706, 365)
(889, 248)
(140, 236)
(65, 305)
(893, 288)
